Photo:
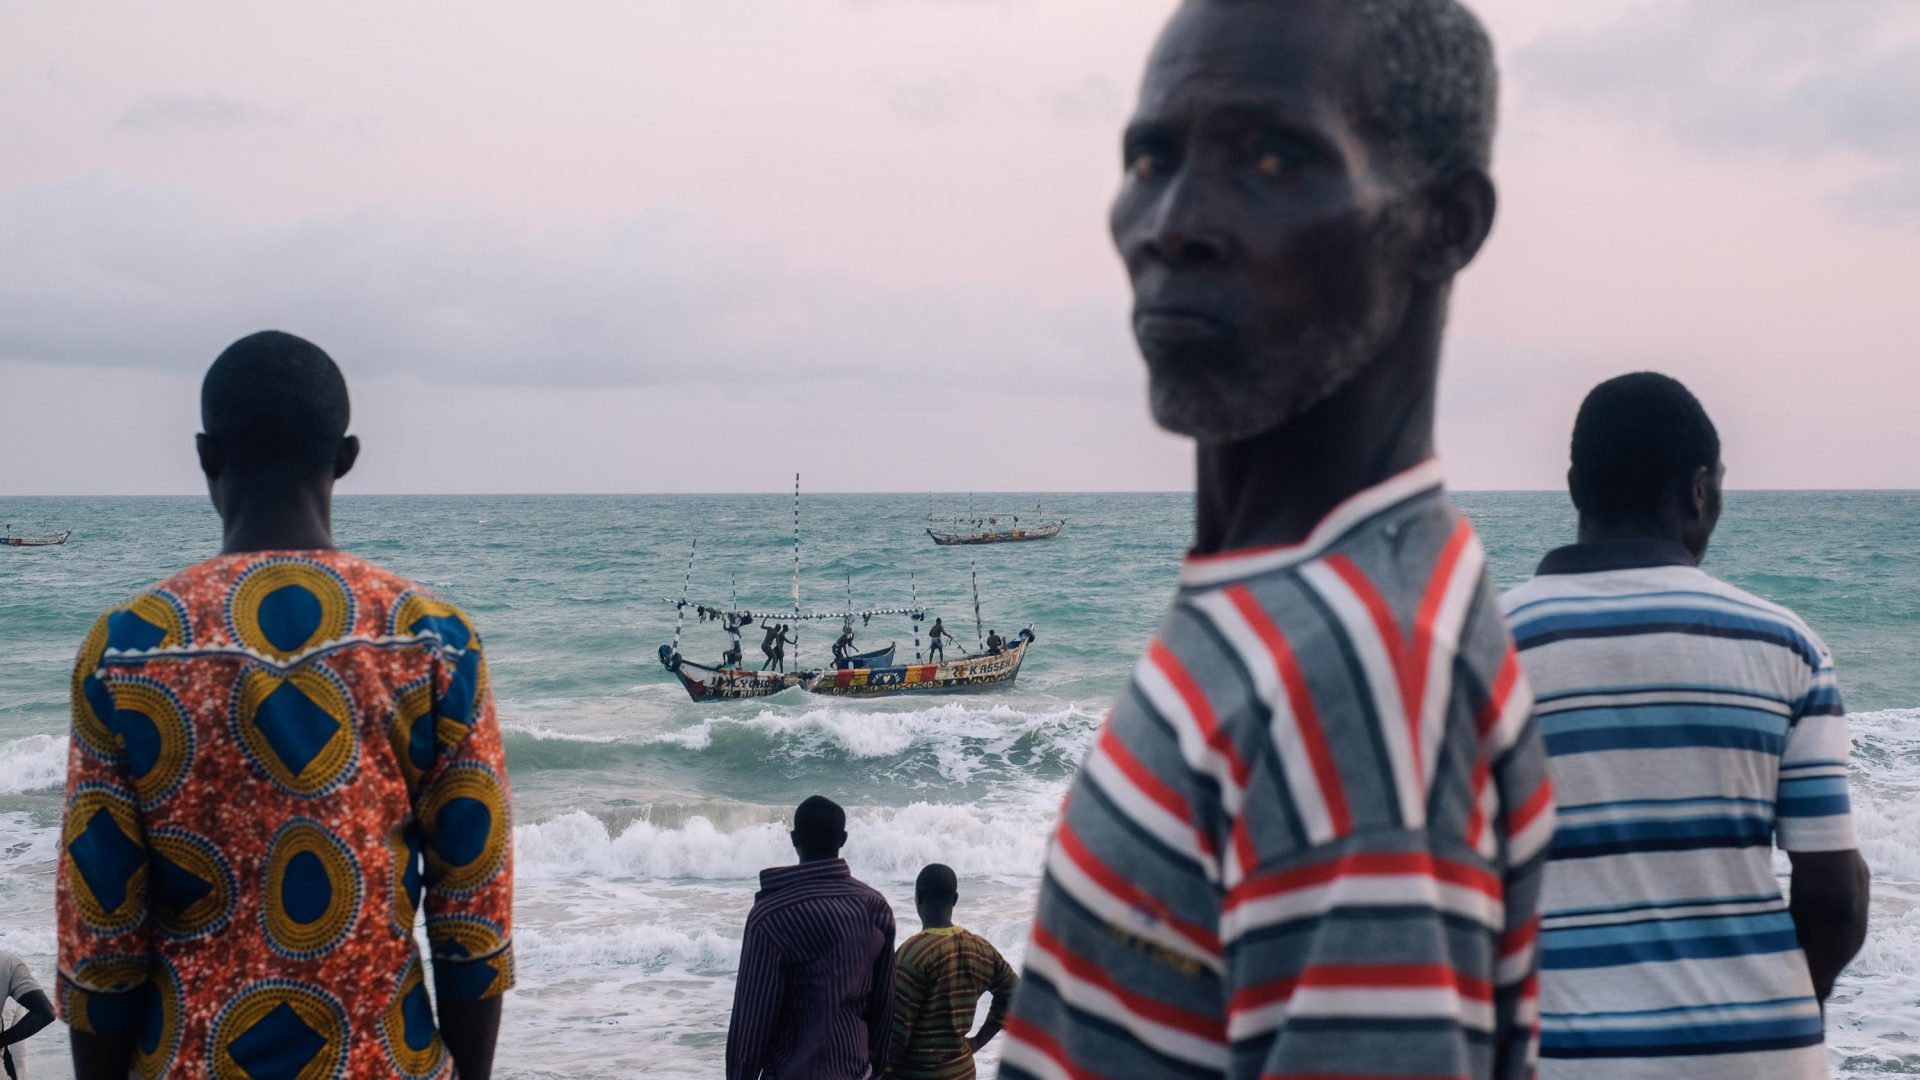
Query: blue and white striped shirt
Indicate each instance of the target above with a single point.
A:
(1690, 727)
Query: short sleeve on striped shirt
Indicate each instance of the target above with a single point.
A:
(1813, 811)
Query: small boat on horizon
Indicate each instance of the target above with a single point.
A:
(48, 540)
(1046, 530)
(972, 528)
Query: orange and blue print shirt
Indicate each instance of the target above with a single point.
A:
(279, 761)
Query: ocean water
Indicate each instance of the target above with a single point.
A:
(643, 818)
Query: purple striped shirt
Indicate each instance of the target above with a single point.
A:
(814, 998)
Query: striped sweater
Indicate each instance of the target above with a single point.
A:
(939, 978)
(1691, 726)
(1308, 842)
(815, 991)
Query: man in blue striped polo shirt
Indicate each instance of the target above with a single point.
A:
(1308, 843)
(1691, 726)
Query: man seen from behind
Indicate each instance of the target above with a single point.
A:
(280, 756)
(1691, 727)
(940, 975)
(814, 997)
(1308, 841)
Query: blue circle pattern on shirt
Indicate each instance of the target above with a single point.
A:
(194, 888)
(406, 1027)
(298, 727)
(417, 614)
(157, 1043)
(92, 703)
(471, 960)
(152, 620)
(313, 891)
(282, 607)
(102, 995)
(411, 732)
(279, 1029)
(466, 821)
(154, 734)
(105, 845)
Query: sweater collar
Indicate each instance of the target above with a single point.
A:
(783, 877)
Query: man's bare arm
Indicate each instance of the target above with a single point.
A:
(39, 1015)
(1829, 908)
(470, 1029)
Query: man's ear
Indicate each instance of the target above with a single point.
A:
(211, 459)
(1461, 209)
(344, 457)
(1700, 493)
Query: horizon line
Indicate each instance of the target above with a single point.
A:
(936, 494)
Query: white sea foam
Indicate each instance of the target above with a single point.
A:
(961, 739)
(649, 947)
(35, 763)
(890, 844)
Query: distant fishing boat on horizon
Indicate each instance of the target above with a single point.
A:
(972, 528)
(46, 540)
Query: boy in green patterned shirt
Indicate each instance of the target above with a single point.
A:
(939, 976)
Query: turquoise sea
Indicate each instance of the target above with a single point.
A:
(642, 818)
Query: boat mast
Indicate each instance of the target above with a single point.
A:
(680, 609)
(978, 631)
(796, 567)
(733, 620)
(914, 583)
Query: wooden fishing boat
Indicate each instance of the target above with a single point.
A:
(985, 671)
(1046, 530)
(704, 683)
(51, 540)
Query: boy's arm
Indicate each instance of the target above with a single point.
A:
(1004, 981)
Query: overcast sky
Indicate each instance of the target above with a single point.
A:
(697, 245)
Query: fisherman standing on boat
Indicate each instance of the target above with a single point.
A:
(843, 646)
(775, 646)
(995, 643)
(780, 643)
(938, 637)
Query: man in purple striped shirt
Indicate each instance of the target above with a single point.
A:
(814, 999)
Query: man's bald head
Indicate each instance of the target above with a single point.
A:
(275, 402)
(1426, 82)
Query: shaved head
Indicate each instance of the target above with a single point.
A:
(275, 402)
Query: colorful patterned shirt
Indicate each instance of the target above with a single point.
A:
(1308, 842)
(938, 978)
(1690, 726)
(278, 758)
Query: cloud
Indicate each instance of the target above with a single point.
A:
(1808, 80)
(107, 275)
(197, 113)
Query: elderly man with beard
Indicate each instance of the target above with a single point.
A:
(1308, 842)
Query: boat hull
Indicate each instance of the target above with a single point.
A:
(998, 536)
(35, 541)
(965, 675)
(703, 683)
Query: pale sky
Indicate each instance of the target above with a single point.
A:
(699, 245)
